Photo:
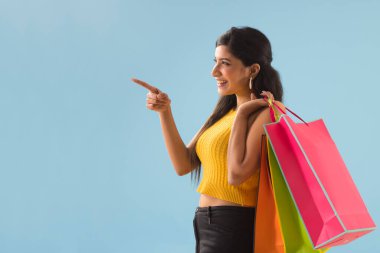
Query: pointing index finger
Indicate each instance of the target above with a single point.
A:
(146, 85)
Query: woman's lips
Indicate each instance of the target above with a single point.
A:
(221, 84)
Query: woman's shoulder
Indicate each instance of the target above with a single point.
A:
(264, 114)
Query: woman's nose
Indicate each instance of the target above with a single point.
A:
(215, 71)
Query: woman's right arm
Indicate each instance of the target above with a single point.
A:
(178, 152)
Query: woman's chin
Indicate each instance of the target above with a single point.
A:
(224, 92)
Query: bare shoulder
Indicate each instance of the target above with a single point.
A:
(260, 117)
(263, 116)
(253, 117)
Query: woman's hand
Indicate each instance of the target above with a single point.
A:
(156, 100)
(252, 106)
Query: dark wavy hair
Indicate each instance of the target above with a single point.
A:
(250, 46)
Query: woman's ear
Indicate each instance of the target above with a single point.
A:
(255, 69)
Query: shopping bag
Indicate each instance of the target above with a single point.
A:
(278, 226)
(268, 235)
(323, 191)
(294, 231)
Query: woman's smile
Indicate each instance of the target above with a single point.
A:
(221, 83)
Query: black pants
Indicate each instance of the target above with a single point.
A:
(224, 229)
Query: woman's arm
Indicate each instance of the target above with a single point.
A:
(160, 102)
(244, 147)
(178, 152)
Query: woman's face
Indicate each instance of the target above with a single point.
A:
(231, 75)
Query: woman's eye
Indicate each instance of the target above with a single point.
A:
(223, 62)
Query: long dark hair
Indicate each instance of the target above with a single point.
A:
(250, 46)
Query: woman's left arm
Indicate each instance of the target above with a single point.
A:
(244, 147)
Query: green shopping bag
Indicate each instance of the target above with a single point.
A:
(294, 231)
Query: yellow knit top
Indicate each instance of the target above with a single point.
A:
(211, 149)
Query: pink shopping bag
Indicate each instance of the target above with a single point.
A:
(324, 193)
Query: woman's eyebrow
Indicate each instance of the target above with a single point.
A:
(223, 59)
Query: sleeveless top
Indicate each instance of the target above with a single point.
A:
(211, 149)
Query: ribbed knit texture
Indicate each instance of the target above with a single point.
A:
(211, 149)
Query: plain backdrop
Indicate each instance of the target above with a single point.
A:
(83, 164)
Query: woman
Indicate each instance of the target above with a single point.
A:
(228, 145)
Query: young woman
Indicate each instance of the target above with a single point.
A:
(228, 145)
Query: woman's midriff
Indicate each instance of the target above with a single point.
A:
(206, 200)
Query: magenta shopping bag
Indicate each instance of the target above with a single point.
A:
(324, 193)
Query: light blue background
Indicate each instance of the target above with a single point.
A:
(83, 165)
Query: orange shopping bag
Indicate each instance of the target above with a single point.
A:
(268, 235)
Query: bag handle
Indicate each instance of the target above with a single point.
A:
(271, 103)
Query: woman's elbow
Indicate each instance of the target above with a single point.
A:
(238, 175)
(234, 178)
(182, 172)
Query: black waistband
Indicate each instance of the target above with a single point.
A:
(230, 208)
